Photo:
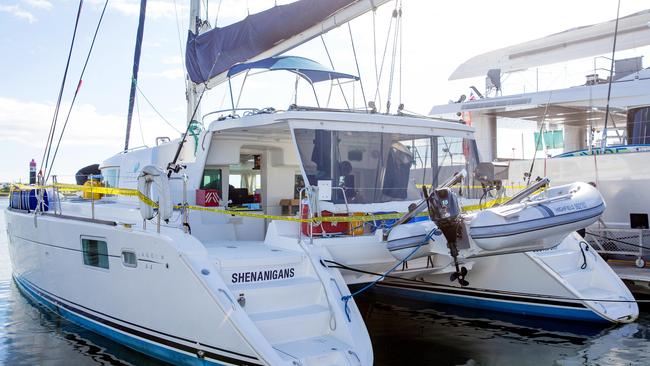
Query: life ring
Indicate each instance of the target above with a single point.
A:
(153, 175)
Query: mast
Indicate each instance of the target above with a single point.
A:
(136, 67)
(191, 93)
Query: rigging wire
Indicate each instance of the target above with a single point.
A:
(76, 93)
(401, 43)
(216, 18)
(603, 141)
(74, 97)
(156, 110)
(50, 137)
(333, 68)
(180, 44)
(356, 61)
(172, 166)
(383, 57)
(541, 131)
(398, 25)
(374, 47)
(137, 109)
(205, 5)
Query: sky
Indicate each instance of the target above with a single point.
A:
(35, 36)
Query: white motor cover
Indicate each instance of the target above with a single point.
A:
(540, 222)
(152, 175)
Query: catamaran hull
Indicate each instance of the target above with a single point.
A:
(171, 299)
(145, 342)
(132, 306)
(570, 281)
(492, 301)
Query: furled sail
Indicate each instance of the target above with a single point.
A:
(591, 40)
(209, 55)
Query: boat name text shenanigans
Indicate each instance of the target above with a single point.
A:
(254, 276)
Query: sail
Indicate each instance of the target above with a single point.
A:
(591, 40)
(209, 55)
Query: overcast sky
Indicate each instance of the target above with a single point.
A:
(35, 36)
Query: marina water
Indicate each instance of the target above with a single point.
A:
(403, 333)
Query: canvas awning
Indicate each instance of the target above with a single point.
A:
(304, 67)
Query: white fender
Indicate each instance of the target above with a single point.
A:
(152, 175)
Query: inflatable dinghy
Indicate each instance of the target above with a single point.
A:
(542, 219)
(530, 222)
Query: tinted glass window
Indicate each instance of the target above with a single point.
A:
(638, 126)
(373, 167)
(95, 253)
(211, 179)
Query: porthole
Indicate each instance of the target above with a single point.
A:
(129, 259)
(95, 252)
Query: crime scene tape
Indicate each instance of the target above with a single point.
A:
(135, 193)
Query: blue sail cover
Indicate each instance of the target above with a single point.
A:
(306, 68)
(215, 51)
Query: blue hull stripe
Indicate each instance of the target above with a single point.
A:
(475, 301)
(177, 353)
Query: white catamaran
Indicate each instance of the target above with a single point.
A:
(204, 267)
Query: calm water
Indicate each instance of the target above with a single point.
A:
(403, 333)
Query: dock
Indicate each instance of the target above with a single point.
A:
(637, 279)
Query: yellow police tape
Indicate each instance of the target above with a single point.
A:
(471, 187)
(145, 199)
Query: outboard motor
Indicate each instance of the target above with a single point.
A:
(445, 211)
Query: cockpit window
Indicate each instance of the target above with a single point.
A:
(374, 167)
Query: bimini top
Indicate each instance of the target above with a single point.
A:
(304, 67)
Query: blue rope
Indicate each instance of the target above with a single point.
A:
(347, 298)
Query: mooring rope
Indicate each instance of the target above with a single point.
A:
(347, 298)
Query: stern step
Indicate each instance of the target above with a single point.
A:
(283, 326)
(325, 351)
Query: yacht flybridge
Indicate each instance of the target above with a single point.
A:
(235, 243)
